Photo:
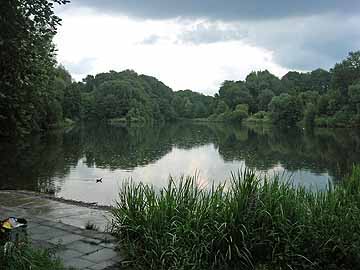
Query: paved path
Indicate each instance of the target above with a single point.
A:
(61, 225)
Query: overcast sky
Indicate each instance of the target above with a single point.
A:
(200, 43)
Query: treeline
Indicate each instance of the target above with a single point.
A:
(127, 96)
(36, 94)
(320, 97)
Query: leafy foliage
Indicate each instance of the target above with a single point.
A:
(322, 97)
(285, 110)
(27, 66)
(23, 256)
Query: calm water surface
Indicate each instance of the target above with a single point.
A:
(68, 162)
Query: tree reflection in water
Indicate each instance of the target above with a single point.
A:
(44, 163)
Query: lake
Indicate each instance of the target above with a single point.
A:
(68, 162)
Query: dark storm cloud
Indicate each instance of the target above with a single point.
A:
(222, 10)
(302, 43)
(308, 43)
(301, 34)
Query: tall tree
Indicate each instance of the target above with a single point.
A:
(286, 110)
(354, 94)
(234, 93)
(346, 73)
(26, 63)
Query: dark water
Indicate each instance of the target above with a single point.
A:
(68, 162)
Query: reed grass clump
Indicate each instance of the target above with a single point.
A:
(15, 256)
(251, 222)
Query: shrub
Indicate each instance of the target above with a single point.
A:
(260, 115)
(355, 120)
(25, 257)
(342, 118)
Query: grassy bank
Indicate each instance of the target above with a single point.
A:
(252, 223)
(25, 257)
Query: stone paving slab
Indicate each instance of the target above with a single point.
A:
(33, 204)
(50, 226)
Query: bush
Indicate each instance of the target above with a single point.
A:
(260, 115)
(309, 115)
(237, 116)
(355, 120)
(247, 223)
(285, 110)
(223, 117)
(321, 121)
(24, 257)
(329, 121)
(342, 118)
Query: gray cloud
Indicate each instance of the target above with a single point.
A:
(308, 43)
(301, 34)
(223, 10)
(207, 32)
(302, 43)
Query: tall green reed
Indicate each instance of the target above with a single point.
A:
(246, 223)
(22, 256)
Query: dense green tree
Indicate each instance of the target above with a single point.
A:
(259, 81)
(286, 110)
(308, 97)
(323, 105)
(309, 115)
(264, 99)
(27, 65)
(234, 93)
(318, 81)
(336, 101)
(354, 95)
(240, 113)
(126, 95)
(189, 104)
(346, 73)
(221, 107)
(89, 83)
(88, 104)
(294, 82)
(72, 102)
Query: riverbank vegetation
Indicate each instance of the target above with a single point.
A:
(23, 256)
(251, 222)
(31, 87)
(321, 98)
(310, 98)
(318, 98)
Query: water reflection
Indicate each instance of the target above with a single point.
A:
(67, 163)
